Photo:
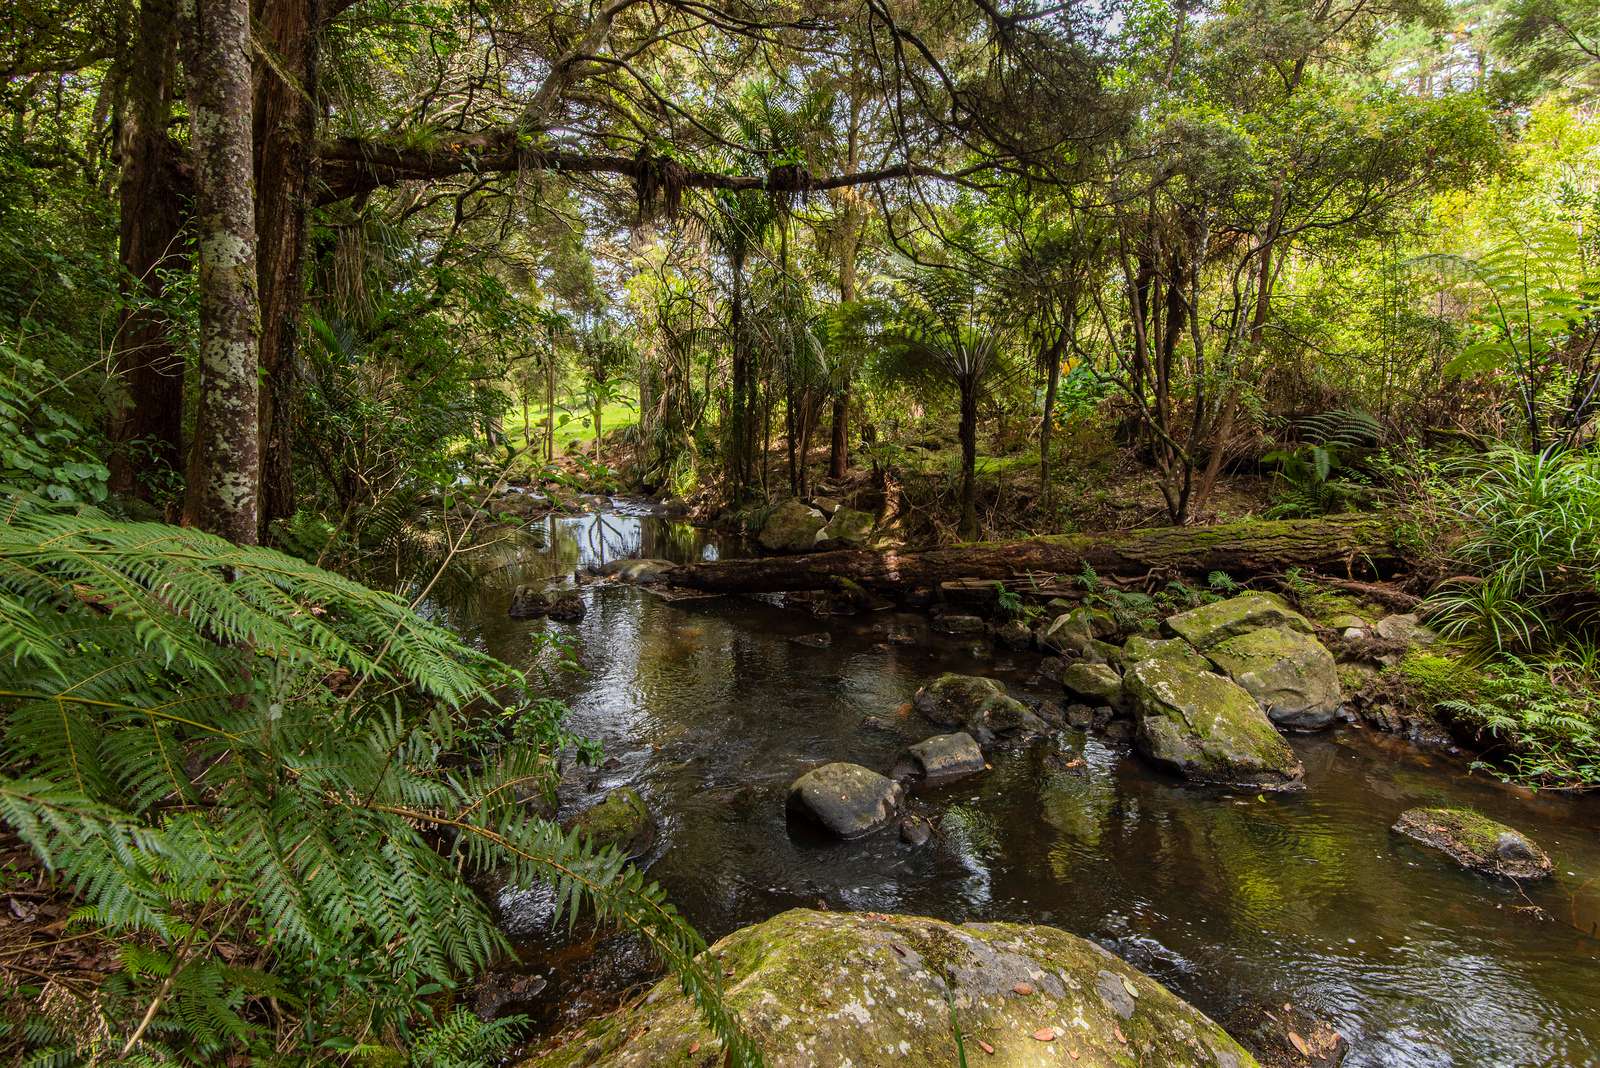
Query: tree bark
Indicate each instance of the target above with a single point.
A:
(284, 111)
(224, 465)
(150, 242)
(1341, 544)
(1052, 384)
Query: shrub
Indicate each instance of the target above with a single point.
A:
(1532, 543)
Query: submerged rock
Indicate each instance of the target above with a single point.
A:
(531, 602)
(828, 989)
(1291, 674)
(941, 759)
(957, 623)
(791, 528)
(974, 704)
(1476, 842)
(621, 821)
(1209, 624)
(847, 799)
(1207, 728)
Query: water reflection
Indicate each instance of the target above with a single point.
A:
(710, 711)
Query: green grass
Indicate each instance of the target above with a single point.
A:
(578, 431)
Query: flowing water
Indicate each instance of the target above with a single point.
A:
(710, 710)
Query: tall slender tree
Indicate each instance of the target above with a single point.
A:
(225, 463)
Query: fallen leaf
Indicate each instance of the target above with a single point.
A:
(1120, 1036)
(1022, 988)
(1072, 1053)
(1045, 1034)
(694, 1047)
(1300, 1044)
(986, 1047)
(1127, 985)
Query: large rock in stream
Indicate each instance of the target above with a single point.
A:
(1207, 728)
(835, 989)
(1476, 842)
(1291, 675)
(847, 799)
(942, 759)
(975, 704)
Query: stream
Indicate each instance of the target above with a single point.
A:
(710, 710)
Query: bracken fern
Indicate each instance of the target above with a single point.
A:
(249, 770)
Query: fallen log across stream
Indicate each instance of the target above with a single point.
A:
(1345, 545)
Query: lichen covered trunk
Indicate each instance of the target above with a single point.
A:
(224, 465)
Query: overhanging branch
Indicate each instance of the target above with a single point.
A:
(351, 166)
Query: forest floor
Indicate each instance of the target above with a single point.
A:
(1094, 485)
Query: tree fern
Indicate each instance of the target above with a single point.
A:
(249, 770)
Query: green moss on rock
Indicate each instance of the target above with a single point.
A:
(1476, 842)
(973, 703)
(826, 990)
(1290, 674)
(621, 820)
(1207, 728)
(1209, 624)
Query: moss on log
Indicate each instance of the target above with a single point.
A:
(1345, 544)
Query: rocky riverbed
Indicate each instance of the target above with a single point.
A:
(1239, 900)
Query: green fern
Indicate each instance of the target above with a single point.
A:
(246, 768)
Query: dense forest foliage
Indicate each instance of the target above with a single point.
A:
(290, 292)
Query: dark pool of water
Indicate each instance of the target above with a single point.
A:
(1235, 902)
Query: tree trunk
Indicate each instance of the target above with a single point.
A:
(839, 446)
(150, 242)
(1052, 384)
(1338, 544)
(969, 461)
(550, 403)
(284, 94)
(224, 465)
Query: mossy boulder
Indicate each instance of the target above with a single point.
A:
(1139, 647)
(621, 820)
(974, 704)
(1207, 728)
(1072, 632)
(849, 527)
(1290, 674)
(830, 989)
(846, 799)
(1096, 684)
(1476, 842)
(791, 527)
(1209, 624)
